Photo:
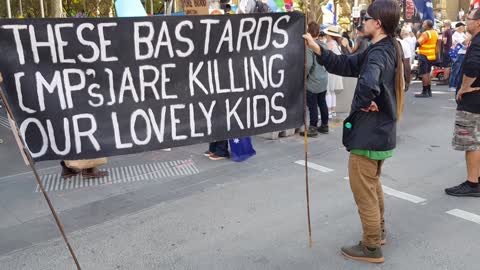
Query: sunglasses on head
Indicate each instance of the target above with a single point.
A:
(368, 17)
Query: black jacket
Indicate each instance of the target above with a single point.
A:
(375, 69)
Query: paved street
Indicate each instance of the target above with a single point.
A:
(178, 210)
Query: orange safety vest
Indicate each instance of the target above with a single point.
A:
(429, 48)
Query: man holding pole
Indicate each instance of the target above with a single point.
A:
(377, 102)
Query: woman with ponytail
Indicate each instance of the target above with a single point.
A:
(369, 132)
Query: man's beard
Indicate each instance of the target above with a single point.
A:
(368, 36)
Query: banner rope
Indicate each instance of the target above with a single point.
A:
(39, 182)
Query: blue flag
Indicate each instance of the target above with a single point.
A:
(129, 8)
(425, 10)
(329, 12)
(241, 149)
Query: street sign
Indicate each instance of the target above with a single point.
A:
(356, 12)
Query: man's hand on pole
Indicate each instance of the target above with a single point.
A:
(312, 44)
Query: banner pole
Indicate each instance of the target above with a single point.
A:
(39, 182)
(42, 10)
(305, 137)
(9, 10)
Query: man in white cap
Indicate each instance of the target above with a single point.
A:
(459, 37)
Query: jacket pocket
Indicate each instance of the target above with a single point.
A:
(368, 131)
(348, 130)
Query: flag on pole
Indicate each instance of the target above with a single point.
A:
(329, 15)
(130, 8)
(425, 10)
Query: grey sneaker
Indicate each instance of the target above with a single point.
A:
(363, 253)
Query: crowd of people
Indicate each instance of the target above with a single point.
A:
(443, 49)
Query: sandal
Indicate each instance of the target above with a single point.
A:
(68, 172)
(93, 173)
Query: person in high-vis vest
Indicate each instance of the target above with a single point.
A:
(427, 54)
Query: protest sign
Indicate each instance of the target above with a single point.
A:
(195, 7)
(86, 88)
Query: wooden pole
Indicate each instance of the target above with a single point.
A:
(9, 9)
(21, 7)
(42, 11)
(305, 137)
(40, 183)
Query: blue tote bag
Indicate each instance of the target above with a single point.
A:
(241, 149)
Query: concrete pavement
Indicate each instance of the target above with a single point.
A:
(249, 215)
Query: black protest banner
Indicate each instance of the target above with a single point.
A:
(85, 88)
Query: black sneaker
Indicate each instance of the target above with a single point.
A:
(311, 132)
(463, 190)
(323, 129)
(424, 94)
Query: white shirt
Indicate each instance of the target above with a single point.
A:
(459, 38)
(334, 47)
(412, 41)
(407, 51)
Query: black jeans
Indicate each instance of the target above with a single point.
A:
(219, 148)
(314, 101)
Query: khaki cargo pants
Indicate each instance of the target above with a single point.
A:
(364, 174)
